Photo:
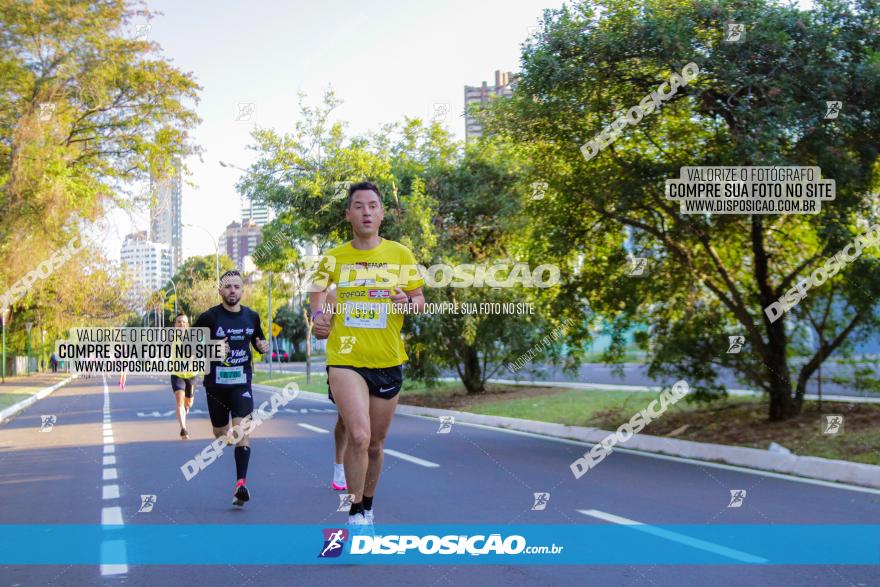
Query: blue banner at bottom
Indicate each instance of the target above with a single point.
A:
(587, 544)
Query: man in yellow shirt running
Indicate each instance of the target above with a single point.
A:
(365, 353)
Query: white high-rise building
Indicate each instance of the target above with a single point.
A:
(166, 214)
(148, 264)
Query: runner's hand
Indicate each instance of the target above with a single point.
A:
(321, 326)
(263, 345)
(224, 348)
(400, 297)
(400, 300)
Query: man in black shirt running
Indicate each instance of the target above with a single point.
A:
(228, 385)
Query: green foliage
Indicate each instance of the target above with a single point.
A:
(196, 283)
(86, 112)
(293, 325)
(447, 205)
(758, 102)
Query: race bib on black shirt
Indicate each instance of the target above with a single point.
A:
(242, 329)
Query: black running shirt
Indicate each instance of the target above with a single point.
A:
(242, 329)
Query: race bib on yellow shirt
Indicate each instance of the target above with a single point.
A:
(364, 315)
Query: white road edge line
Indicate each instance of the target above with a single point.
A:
(651, 455)
(313, 428)
(410, 458)
(676, 537)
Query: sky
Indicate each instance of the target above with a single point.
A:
(385, 59)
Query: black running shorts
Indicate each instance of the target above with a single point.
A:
(184, 384)
(225, 402)
(385, 382)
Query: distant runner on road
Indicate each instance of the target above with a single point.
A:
(183, 384)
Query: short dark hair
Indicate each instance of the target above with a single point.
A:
(179, 314)
(363, 185)
(231, 273)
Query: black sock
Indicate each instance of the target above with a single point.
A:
(356, 508)
(368, 502)
(242, 456)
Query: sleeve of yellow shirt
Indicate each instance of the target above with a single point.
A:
(415, 280)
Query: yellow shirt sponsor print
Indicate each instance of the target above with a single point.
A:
(366, 333)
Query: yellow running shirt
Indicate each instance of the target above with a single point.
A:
(183, 374)
(364, 332)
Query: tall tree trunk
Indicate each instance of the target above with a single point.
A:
(782, 404)
(472, 377)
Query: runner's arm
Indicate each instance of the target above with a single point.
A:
(323, 323)
(409, 293)
(413, 297)
(317, 302)
(259, 337)
(319, 287)
(418, 299)
(206, 320)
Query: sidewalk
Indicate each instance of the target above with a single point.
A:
(20, 387)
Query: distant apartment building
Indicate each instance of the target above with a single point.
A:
(240, 240)
(166, 213)
(505, 84)
(259, 213)
(148, 264)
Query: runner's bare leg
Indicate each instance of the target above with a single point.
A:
(341, 438)
(381, 413)
(353, 400)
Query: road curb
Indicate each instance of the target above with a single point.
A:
(13, 410)
(852, 399)
(752, 458)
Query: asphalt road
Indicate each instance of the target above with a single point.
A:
(472, 475)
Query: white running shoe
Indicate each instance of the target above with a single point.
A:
(368, 516)
(358, 520)
(338, 482)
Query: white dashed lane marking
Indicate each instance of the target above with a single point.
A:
(112, 551)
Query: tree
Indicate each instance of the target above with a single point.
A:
(83, 291)
(475, 207)
(86, 111)
(293, 325)
(443, 205)
(196, 283)
(758, 102)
